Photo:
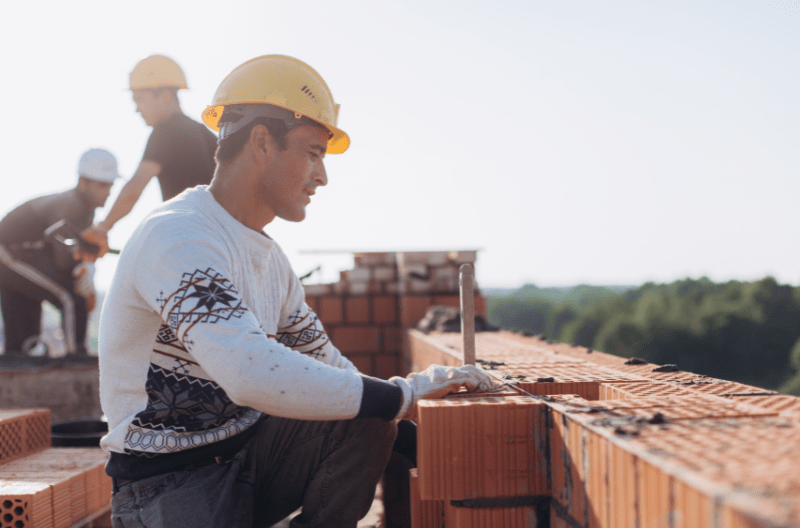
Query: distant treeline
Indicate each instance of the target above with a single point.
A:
(740, 331)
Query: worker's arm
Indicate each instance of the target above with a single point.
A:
(185, 276)
(301, 329)
(98, 233)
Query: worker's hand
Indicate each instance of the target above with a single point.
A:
(437, 381)
(84, 279)
(96, 234)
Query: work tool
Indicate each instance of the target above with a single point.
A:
(62, 233)
(466, 283)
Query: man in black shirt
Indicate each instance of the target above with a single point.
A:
(180, 151)
(35, 268)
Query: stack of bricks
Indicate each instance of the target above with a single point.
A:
(600, 442)
(43, 487)
(366, 312)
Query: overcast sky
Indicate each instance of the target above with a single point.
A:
(604, 142)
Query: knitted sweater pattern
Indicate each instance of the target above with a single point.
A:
(204, 329)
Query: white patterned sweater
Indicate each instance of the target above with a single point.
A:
(205, 328)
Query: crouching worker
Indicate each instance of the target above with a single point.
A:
(36, 268)
(227, 403)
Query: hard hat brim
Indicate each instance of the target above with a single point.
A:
(337, 144)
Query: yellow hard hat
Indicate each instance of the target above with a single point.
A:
(157, 71)
(283, 82)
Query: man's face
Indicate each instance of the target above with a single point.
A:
(147, 104)
(294, 174)
(95, 192)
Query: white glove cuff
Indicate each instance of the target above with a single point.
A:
(408, 396)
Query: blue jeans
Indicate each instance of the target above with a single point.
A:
(329, 468)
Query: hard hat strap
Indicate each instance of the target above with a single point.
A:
(236, 117)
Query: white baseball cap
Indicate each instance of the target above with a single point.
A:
(98, 164)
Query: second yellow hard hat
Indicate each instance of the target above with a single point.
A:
(157, 71)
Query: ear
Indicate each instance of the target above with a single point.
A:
(261, 142)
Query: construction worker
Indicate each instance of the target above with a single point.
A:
(35, 268)
(227, 403)
(180, 151)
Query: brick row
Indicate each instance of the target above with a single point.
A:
(73, 480)
(23, 432)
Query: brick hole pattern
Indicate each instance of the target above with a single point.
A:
(13, 513)
(23, 432)
(12, 442)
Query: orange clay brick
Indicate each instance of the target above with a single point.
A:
(424, 350)
(363, 363)
(728, 389)
(654, 495)
(673, 408)
(386, 367)
(413, 308)
(488, 446)
(424, 514)
(384, 309)
(22, 432)
(766, 517)
(330, 310)
(498, 346)
(76, 477)
(357, 310)
(597, 489)
(26, 505)
(354, 339)
(783, 404)
(556, 521)
(623, 512)
(520, 517)
(568, 465)
(622, 391)
(581, 379)
(392, 340)
(692, 508)
(313, 304)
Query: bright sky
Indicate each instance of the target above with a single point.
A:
(610, 142)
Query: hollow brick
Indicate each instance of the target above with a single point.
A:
(330, 310)
(384, 309)
(413, 308)
(357, 339)
(519, 517)
(424, 514)
(22, 432)
(363, 363)
(386, 367)
(357, 310)
(480, 447)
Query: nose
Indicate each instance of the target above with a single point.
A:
(321, 175)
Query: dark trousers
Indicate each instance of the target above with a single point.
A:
(331, 469)
(24, 284)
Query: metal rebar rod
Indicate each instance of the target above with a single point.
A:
(467, 287)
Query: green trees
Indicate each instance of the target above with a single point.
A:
(740, 331)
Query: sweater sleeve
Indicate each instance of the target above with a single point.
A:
(186, 278)
(302, 330)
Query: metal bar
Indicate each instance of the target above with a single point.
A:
(467, 287)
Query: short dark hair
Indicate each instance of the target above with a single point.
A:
(231, 146)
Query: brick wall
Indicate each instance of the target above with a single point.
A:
(642, 446)
(367, 311)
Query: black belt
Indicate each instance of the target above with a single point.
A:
(117, 483)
